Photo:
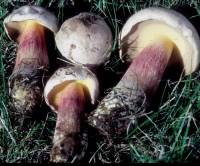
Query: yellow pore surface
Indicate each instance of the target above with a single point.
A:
(151, 31)
(166, 44)
(80, 87)
(31, 26)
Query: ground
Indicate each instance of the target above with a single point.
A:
(169, 132)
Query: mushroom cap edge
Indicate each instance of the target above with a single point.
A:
(31, 12)
(173, 19)
(72, 73)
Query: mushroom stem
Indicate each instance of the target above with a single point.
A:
(32, 46)
(69, 92)
(67, 137)
(149, 65)
(115, 113)
(32, 61)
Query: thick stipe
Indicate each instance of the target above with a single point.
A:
(149, 66)
(71, 106)
(117, 112)
(32, 46)
(25, 83)
(67, 137)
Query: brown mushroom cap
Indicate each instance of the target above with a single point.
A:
(65, 75)
(40, 15)
(176, 28)
(85, 39)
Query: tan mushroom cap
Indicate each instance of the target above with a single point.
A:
(40, 15)
(176, 28)
(85, 39)
(67, 74)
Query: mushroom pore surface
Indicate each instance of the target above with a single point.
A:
(59, 91)
(147, 32)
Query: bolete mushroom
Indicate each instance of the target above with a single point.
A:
(85, 39)
(68, 92)
(151, 39)
(28, 26)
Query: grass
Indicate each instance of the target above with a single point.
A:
(168, 133)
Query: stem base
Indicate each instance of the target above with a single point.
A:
(26, 88)
(117, 112)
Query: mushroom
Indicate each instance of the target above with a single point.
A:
(68, 92)
(28, 26)
(152, 39)
(85, 39)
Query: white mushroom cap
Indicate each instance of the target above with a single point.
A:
(24, 13)
(85, 39)
(175, 20)
(75, 73)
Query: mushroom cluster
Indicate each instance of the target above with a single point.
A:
(151, 41)
(85, 40)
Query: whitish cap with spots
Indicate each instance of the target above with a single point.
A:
(24, 13)
(85, 39)
(75, 73)
(174, 20)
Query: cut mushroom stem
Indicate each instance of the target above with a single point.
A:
(69, 92)
(152, 39)
(28, 26)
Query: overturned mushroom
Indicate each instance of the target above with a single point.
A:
(85, 39)
(28, 26)
(152, 39)
(68, 92)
